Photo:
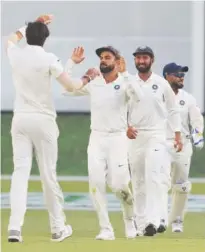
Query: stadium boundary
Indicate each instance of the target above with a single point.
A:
(85, 179)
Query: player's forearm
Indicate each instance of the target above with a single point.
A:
(17, 36)
(71, 85)
(69, 67)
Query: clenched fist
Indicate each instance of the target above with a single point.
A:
(131, 132)
(92, 73)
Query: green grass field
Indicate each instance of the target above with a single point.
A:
(73, 161)
(73, 140)
(36, 230)
(67, 186)
(36, 235)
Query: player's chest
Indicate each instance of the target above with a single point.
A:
(153, 92)
(183, 106)
(108, 94)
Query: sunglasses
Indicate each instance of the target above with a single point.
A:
(179, 75)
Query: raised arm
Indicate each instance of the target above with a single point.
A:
(15, 37)
(70, 84)
(76, 58)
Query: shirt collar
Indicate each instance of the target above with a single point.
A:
(119, 78)
(148, 80)
(35, 47)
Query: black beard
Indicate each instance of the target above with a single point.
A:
(144, 70)
(176, 85)
(107, 69)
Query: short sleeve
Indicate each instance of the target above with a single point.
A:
(56, 67)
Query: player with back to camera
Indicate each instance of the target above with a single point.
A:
(34, 124)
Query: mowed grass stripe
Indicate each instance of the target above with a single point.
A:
(35, 186)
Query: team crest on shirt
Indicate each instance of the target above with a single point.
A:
(182, 102)
(116, 87)
(154, 87)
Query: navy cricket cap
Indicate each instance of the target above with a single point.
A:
(174, 68)
(144, 50)
(111, 49)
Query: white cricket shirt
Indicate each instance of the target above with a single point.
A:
(151, 112)
(191, 117)
(32, 69)
(108, 102)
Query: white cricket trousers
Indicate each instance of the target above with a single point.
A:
(181, 186)
(108, 163)
(146, 159)
(38, 132)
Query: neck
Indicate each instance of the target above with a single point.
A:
(175, 89)
(110, 77)
(145, 76)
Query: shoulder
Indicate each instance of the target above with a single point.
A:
(189, 97)
(161, 82)
(50, 55)
(186, 97)
(13, 49)
(159, 79)
(52, 58)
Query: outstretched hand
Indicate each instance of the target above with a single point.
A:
(78, 55)
(45, 19)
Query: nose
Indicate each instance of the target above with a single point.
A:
(141, 61)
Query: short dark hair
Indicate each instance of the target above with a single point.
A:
(36, 33)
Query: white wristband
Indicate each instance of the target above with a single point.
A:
(22, 30)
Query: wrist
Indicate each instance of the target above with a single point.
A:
(22, 30)
(73, 61)
(177, 135)
(85, 79)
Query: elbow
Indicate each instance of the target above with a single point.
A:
(69, 89)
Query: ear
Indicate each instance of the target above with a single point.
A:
(167, 77)
(153, 59)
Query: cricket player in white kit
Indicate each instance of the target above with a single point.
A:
(34, 124)
(147, 121)
(107, 149)
(192, 131)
